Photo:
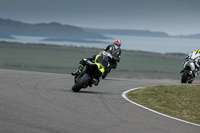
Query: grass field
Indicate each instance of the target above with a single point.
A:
(64, 59)
(178, 101)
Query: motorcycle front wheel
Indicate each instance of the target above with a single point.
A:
(84, 79)
(185, 75)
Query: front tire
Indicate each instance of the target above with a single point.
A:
(185, 75)
(76, 87)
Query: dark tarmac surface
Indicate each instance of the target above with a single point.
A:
(44, 103)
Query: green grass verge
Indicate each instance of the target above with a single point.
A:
(178, 101)
(43, 58)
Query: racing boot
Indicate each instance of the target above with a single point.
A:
(78, 71)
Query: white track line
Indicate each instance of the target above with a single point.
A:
(125, 97)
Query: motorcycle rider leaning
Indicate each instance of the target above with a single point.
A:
(197, 60)
(100, 60)
(115, 50)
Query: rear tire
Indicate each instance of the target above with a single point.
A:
(190, 82)
(81, 83)
(185, 75)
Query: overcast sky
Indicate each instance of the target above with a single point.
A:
(171, 16)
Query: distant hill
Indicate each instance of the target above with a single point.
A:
(52, 30)
(57, 32)
(145, 33)
(193, 36)
(6, 36)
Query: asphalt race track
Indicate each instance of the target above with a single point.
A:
(33, 102)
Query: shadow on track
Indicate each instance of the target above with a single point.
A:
(86, 92)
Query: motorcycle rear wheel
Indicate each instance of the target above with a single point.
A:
(190, 82)
(185, 75)
(84, 79)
